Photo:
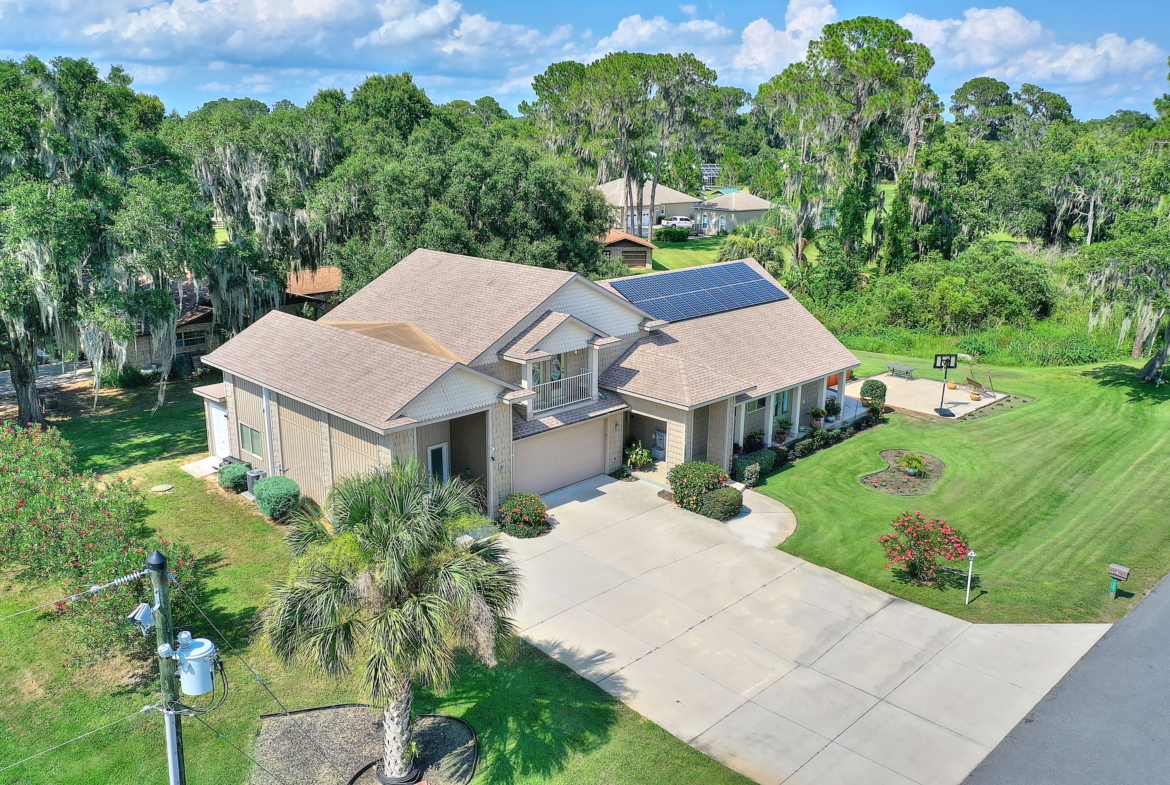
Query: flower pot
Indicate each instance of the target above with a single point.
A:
(830, 418)
(975, 397)
(816, 423)
(952, 385)
(864, 401)
(911, 472)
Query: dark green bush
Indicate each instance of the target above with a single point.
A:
(233, 476)
(721, 504)
(802, 449)
(781, 454)
(670, 234)
(753, 442)
(524, 515)
(277, 497)
(872, 388)
(765, 459)
(751, 475)
(129, 378)
(690, 480)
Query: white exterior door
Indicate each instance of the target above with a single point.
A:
(564, 456)
(220, 433)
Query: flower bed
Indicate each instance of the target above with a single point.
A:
(893, 478)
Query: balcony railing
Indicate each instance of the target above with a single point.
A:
(563, 392)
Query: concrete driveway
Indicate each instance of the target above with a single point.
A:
(780, 669)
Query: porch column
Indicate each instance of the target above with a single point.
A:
(794, 410)
(740, 415)
(769, 425)
(841, 381)
(824, 388)
(594, 350)
(526, 383)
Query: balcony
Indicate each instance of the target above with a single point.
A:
(562, 392)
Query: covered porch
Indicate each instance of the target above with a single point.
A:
(763, 414)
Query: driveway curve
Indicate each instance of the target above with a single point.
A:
(780, 669)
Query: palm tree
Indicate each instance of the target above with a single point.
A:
(382, 582)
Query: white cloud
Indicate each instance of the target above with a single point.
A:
(1004, 43)
(766, 50)
(689, 10)
(659, 34)
(406, 21)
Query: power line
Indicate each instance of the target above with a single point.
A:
(237, 749)
(76, 738)
(256, 676)
(90, 590)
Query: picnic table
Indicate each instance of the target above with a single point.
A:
(904, 371)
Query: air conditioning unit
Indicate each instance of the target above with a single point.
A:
(255, 476)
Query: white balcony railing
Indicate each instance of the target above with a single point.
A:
(562, 392)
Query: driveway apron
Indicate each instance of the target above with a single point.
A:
(782, 670)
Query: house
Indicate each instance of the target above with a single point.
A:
(319, 288)
(638, 254)
(194, 335)
(518, 378)
(731, 209)
(667, 201)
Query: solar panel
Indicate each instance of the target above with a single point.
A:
(699, 291)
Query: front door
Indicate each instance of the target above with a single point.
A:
(220, 435)
(437, 461)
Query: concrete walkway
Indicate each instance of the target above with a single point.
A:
(780, 669)
(50, 376)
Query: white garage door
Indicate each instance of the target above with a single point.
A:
(564, 456)
(219, 431)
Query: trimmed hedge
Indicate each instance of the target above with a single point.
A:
(781, 453)
(277, 497)
(751, 476)
(872, 388)
(721, 504)
(764, 459)
(671, 234)
(524, 515)
(233, 476)
(690, 480)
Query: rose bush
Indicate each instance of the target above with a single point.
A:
(524, 515)
(918, 544)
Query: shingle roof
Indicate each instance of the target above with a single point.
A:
(617, 235)
(767, 347)
(615, 193)
(735, 201)
(398, 333)
(522, 428)
(344, 372)
(323, 280)
(523, 346)
(489, 296)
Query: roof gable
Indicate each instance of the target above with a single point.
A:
(458, 390)
(737, 200)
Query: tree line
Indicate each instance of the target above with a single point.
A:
(108, 203)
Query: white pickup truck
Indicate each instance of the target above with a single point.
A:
(677, 222)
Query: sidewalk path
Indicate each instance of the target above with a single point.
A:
(48, 377)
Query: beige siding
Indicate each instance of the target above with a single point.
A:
(569, 336)
(402, 444)
(354, 449)
(808, 399)
(469, 447)
(457, 392)
(249, 402)
(676, 428)
(430, 435)
(500, 439)
(719, 432)
(700, 432)
(229, 389)
(505, 370)
(615, 439)
(610, 353)
(757, 420)
(300, 445)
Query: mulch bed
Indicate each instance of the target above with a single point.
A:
(893, 478)
(346, 740)
(667, 495)
(1002, 405)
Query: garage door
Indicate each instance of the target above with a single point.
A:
(564, 456)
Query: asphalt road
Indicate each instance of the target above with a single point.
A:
(1107, 721)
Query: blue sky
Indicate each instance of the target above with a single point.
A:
(1102, 57)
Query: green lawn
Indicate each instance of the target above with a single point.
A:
(1049, 494)
(692, 253)
(537, 721)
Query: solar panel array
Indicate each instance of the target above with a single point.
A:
(699, 291)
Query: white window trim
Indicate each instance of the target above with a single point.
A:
(244, 425)
(446, 459)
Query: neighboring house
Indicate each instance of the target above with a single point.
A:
(638, 254)
(725, 212)
(193, 330)
(320, 288)
(518, 378)
(667, 201)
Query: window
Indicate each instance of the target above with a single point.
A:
(662, 209)
(782, 401)
(704, 222)
(250, 441)
(723, 223)
(551, 370)
(756, 405)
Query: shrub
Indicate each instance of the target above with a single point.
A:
(783, 426)
(753, 442)
(873, 388)
(765, 459)
(917, 544)
(864, 422)
(277, 496)
(128, 378)
(721, 504)
(877, 408)
(912, 461)
(233, 476)
(751, 475)
(671, 234)
(523, 515)
(620, 473)
(802, 449)
(690, 480)
(781, 454)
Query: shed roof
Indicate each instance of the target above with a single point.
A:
(323, 280)
(617, 235)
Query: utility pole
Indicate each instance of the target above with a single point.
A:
(167, 667)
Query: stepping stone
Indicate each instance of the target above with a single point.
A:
(161, 488)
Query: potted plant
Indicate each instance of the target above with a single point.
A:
(753, 441)
(783, 427)
(832, 409)
(913, 463)
(818, 417)
(637, 456)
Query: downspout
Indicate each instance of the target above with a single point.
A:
(272, 471)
